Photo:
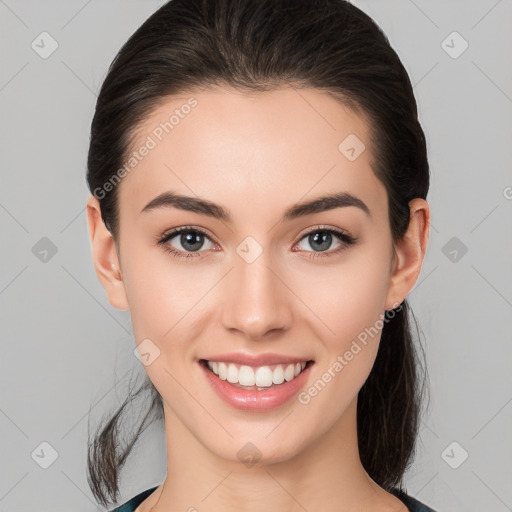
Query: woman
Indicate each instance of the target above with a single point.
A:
(258, 177)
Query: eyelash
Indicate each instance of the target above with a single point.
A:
(346, 239)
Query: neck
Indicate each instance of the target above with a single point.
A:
(327, 475)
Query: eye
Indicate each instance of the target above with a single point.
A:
(322, 238)
(190, 239)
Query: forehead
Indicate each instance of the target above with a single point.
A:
(241, 149)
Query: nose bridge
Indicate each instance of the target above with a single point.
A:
(257, 300)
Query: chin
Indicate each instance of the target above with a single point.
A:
(259, 449)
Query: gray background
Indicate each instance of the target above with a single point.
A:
(66, 353)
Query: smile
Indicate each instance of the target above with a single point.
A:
(256, 377)
(256, 389)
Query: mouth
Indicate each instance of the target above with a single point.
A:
(259, 378)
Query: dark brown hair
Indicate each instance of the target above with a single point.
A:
(261, 45)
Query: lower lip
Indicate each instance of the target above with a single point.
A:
(254, 400)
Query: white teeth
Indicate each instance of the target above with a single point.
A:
(289, 373)
(262, 376)
(223, 371)
(278, 375)
(246, 376)
(232, 375)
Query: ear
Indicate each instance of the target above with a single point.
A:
(104, 255)
(409, 253)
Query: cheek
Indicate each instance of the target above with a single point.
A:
(346, 298)
(350, 307)
(160, 291)
(161, 305)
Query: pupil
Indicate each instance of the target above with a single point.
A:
(190, 239)
(324, 238)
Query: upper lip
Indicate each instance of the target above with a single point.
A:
(256, 359)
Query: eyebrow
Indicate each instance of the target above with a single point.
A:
(200, 206)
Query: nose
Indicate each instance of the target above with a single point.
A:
(257, 300)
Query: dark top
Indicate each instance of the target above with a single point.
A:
(412, 504)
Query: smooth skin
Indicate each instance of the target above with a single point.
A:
(256, 155)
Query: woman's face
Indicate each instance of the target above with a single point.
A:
(256, 282)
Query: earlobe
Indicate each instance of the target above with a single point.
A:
(104, 255)
(409, 253)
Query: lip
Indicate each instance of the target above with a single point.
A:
(254, 400)
(244, 358)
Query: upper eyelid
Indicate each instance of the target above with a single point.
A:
(172, 233)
